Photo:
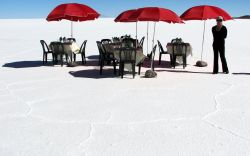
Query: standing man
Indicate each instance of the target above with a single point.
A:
(219, 34)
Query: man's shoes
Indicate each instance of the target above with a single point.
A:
(215, 72)
(226, 72)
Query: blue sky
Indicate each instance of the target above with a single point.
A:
(111, 8)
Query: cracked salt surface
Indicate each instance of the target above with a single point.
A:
(46, 111)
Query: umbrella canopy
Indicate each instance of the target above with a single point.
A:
(204, 12)
(155, 14)
(125, 16)
(72, 12)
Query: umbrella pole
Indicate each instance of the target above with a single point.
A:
(153, 41)
(136, 34)
(71, 29)
(203, 38)
(147, 35)
(202, 63)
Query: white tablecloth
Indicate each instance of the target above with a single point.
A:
(179, 58)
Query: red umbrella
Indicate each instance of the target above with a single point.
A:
(72, 12)
(124, 16)
(204, 12)
(155, 14)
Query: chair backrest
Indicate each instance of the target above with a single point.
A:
(179, 48)
(83, 47)
(141, 42)
(160, 46)
(106, 41)
(71, 39)
(127, 54)
(57, 47)
(116, 39)
(44, 46)
(100, 48)
(128, 42)
(176, 40)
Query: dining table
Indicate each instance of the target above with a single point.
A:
(114, 49)
(69, 48)
(189, 51)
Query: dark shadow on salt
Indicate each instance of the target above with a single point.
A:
(26, 64)
(93, 74)
(241, 73)
(183, 71)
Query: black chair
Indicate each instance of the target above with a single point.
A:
(180, 49)
(71, 39)
(127, 55)
(141, 42)
(104, 57)
(116, 39)
(46, 51)
(82, 52)
(161, 52)
(58, 50)
(106, 41)
(128, 42)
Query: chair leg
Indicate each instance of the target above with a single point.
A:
(82, 58)
(46, 58)
(133, 66)
(174, 63)
(139, 71)
(74, 57)
(61, 60)
(122, 69)
(43, 58)
(160, 58)
(171, 60)
(101, 66)
(114, 64)
(183, 62)
(153, 65)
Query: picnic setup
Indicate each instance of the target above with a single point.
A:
(126, 53)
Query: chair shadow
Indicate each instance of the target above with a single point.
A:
(25, 64)
(182, 71)
(241, 73)
(94, 74)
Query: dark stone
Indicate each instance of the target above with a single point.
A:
(150, 74)
(201, 64)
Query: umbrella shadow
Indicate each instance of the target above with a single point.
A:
(241, 73)
(93, 74)
(26, 64)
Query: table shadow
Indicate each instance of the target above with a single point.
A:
(93, 74)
